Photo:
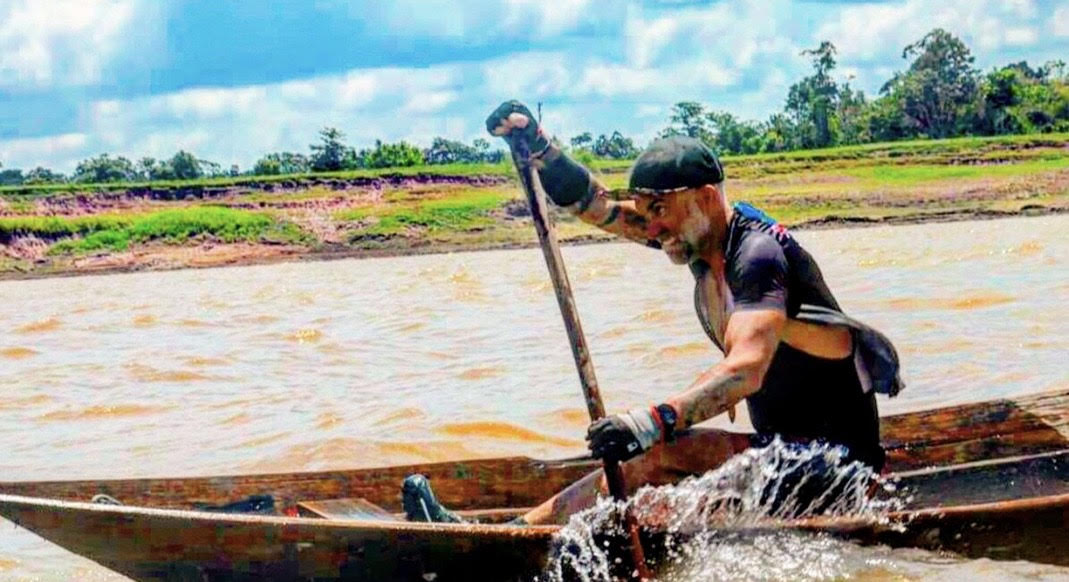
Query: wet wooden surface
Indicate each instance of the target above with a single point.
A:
(967, 498)
(940, 437)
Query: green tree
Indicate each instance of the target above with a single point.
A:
(487, 155)
(615, 146)
(281, 163)
(812, 102)
(330, 153)
(392, 155)
(42, 175)
(1020, 99)
(211, 169)
(11, 177)
(105, 168)
(446, 151)
(163, 171)
(583, 141)
(884, 120)
(939, 85)
(267, 166)
(778, 134)
(730, 135)
(144, 168)
(186, 166)
(688, 118)
(850, 111)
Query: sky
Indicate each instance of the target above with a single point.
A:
(234, 80)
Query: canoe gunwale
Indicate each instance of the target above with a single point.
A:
(487, 529)
(890, 521)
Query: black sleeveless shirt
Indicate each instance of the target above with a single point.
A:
(802, 397)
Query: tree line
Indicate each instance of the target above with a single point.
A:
(939, 95)
(329, 154)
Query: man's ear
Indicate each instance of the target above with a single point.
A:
(710, 190)
(710, 194)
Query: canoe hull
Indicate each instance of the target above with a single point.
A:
(155, 545)
(965, 466)
(147, 544)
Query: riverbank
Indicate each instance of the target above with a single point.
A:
(87, 229)
(164, 257)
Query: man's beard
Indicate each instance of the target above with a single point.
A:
(696, 230)
(680, 252)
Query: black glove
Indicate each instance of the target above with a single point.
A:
(503, 124)
(564, 181)
(620, 437)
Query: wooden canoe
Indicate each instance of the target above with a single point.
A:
(988, 480)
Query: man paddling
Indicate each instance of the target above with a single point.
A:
(807, 371)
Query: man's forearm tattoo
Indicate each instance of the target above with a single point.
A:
(709, 397)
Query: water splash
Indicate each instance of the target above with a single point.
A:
(726, 524)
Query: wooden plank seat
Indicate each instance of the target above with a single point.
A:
(348, 508)
(363, 510)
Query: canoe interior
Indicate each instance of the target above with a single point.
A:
(935, 438)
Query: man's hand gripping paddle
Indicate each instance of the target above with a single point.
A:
(614, 474)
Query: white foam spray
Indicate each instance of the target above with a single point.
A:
(723, 525)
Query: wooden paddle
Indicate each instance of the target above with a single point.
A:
(614, 474)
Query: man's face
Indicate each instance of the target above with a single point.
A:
(679, 221)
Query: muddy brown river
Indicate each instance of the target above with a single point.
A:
(358, 363)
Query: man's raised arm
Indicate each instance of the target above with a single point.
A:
(567, 183)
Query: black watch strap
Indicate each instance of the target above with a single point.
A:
(668, 419)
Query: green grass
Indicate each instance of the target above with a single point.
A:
(926, 173)
(116, 233)
(905, 148)
(461, 211)
(53, 227)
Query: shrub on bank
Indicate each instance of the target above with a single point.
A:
(113, 232)
(54, 227)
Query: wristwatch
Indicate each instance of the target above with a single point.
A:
(668, 418)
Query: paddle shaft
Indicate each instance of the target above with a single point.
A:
(547, 239)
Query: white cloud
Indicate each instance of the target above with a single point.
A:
(1021, 36)
(42, 151)
(207, 103)
(609, 80)
(651, 110)
(475, 21)
(728, 34)
(1059, 22)
(1020, 8)
(239, 124)
(696, 52)
(61, 42)
(734, 55)
(646, 39)
(530, 75)
(871, 31)
(558, 76)
(546, 18)
(613, 80)
(429, 101)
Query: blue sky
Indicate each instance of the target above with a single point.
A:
(232, 80)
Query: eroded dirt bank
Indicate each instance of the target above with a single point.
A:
(160, 257)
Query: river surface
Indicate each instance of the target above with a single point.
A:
(358, 363)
